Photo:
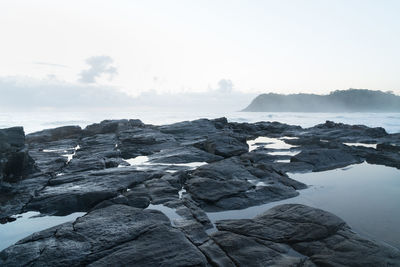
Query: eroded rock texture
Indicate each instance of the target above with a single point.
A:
(118, 171)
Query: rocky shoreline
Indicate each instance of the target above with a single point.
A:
(114, 170)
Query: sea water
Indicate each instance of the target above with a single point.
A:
(39, 120)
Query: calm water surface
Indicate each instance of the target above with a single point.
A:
(366, 196)
(29, 223)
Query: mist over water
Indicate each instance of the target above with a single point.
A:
(39, 120)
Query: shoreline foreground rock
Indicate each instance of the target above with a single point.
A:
(119, 172)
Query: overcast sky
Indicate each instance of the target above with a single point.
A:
(173, 46)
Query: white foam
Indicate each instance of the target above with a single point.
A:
(284, 153)
(181, 192)
(142, 163)
(139, 160)
(268, 142)
(361, 144)
(282, 161)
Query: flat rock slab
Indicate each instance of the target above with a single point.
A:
(326, 159)
(117, 235)
(70, 193)
(295, 234)
(233, 184)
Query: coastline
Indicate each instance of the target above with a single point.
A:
(194, 168)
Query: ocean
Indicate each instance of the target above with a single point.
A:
(38, 120)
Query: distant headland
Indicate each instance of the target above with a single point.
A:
(351, 100)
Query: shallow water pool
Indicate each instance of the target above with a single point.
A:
(366, 196)
(28, 223)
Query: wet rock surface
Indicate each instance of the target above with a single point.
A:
(295, 234)
(116, 235)
(15, 162)
(118, 170)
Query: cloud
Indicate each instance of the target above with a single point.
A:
(225, 86)
(222, 98)
(25, 93)
(21, 92)
(50, 64)
(99, 65)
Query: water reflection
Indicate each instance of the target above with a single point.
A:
(169, 212)
(366, 196)
(28, 223)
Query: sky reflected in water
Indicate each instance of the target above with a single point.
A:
(366, 196)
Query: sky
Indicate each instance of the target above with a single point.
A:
(176, 46)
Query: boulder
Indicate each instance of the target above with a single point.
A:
(294, 234)
(111, 126)
(326, 159)
(223, 144)
(15, 161)
(237, 183)
(49, 135)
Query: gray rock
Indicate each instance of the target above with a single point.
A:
(80, 192)
(342, 131)
(119, 230)
(326, 159)
(224, 144)
(12, 138)
(115, 235)
(210, 190)
(215, 255)
(183, 154)
(249, 251)
(232, 184)
(388, 147)
(15, 162)
(391, 159)
(293, 234)
(49, 135)
(111, 126)
(143, 141)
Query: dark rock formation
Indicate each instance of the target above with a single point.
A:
(295, 234)
(116, 235)
(232, 184)
(87, 170)
(326, 159)
(50, 135)
(15, 162)
(121, 235)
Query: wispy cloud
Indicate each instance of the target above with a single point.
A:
(99, 66)
(50, 64)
